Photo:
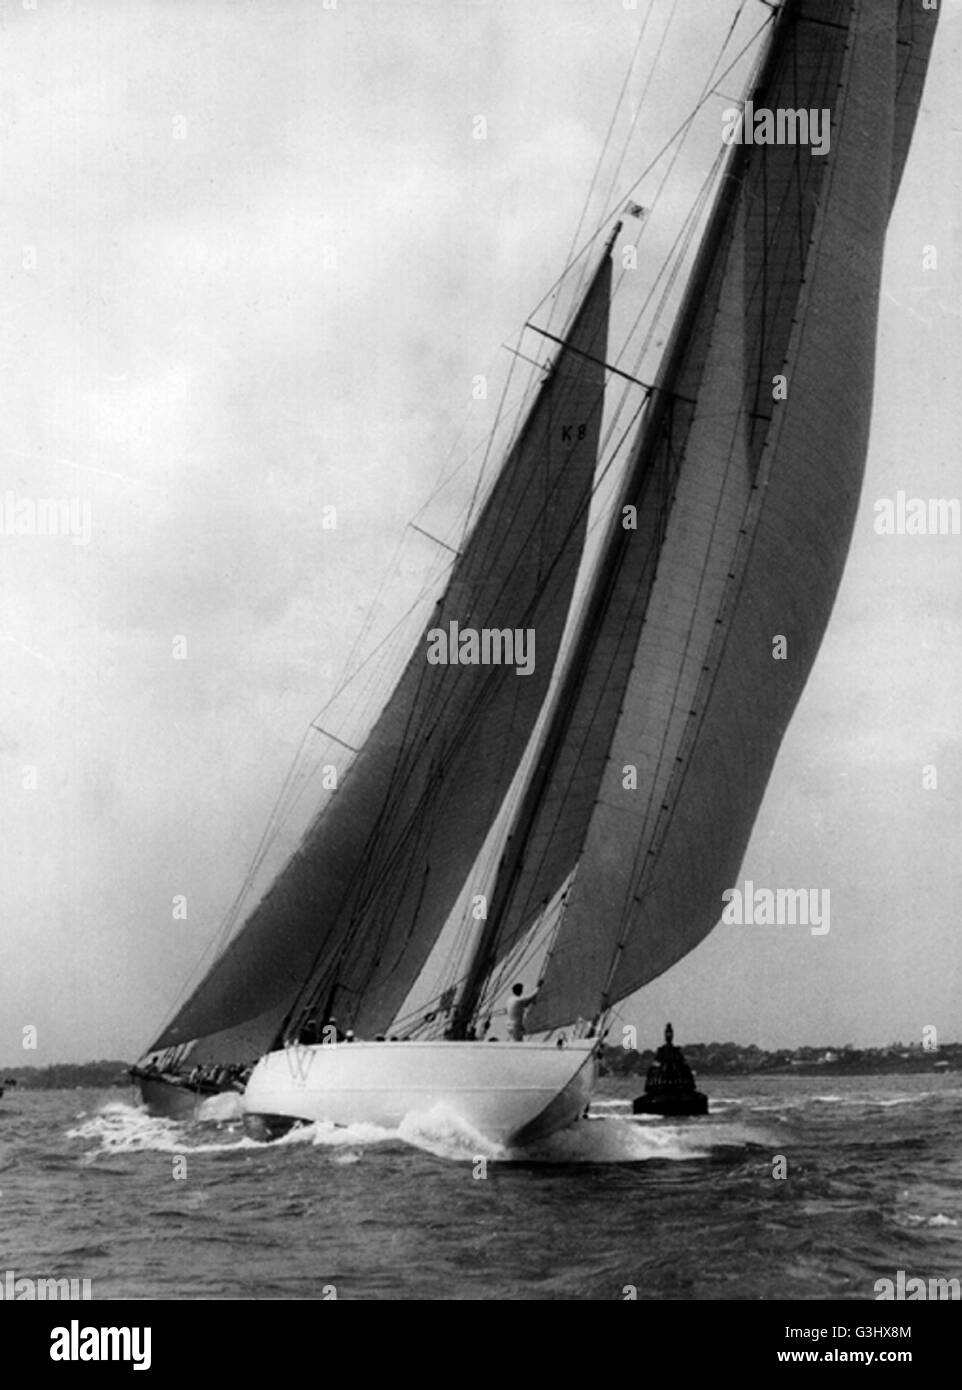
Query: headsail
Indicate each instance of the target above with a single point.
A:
(355, 912)
(744, 499)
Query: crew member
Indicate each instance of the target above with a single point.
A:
(516, 1007)
(308, 1035)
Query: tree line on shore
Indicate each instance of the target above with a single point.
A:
(706, 1059)
(64, 1076)
(737, 1059)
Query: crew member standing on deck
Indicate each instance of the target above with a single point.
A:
(516, 1007)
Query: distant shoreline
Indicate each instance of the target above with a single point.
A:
(64, 1076)
(705, 1059)
(731, 1059)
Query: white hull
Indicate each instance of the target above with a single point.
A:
(510, 1093)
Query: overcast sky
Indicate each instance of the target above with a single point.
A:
(253, 258)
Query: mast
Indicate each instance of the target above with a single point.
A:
(661, 398)
(485, 950)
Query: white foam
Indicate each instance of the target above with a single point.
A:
(869, 1098)
(901, 1100)
(325, 1135)
(612, 1139)
(443, 1133)
(601, 1138)
(438, 1131)
(227, 1105)
(122, 1128)
(915, 1219)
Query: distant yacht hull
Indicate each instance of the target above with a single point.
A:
(510, 1093)
(170, 1097)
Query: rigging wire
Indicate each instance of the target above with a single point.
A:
(652, 163)
(607, 140)
(377, 870)
(288, 798)
(638, 108)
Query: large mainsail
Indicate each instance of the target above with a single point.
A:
(353, 915)
(744, 486)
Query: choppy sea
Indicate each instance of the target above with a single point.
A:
(93, 1188)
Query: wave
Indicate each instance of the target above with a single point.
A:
(599, 1139)
(605, 1137)
(767, 1105)
(913, 1220)
(121, 1128)
(901, 1100)
(869, 1098)
(613, 1139)
(219, 1109)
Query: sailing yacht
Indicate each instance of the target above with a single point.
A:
(643, 763)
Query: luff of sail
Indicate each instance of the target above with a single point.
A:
(745, 508)
(355, 912)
